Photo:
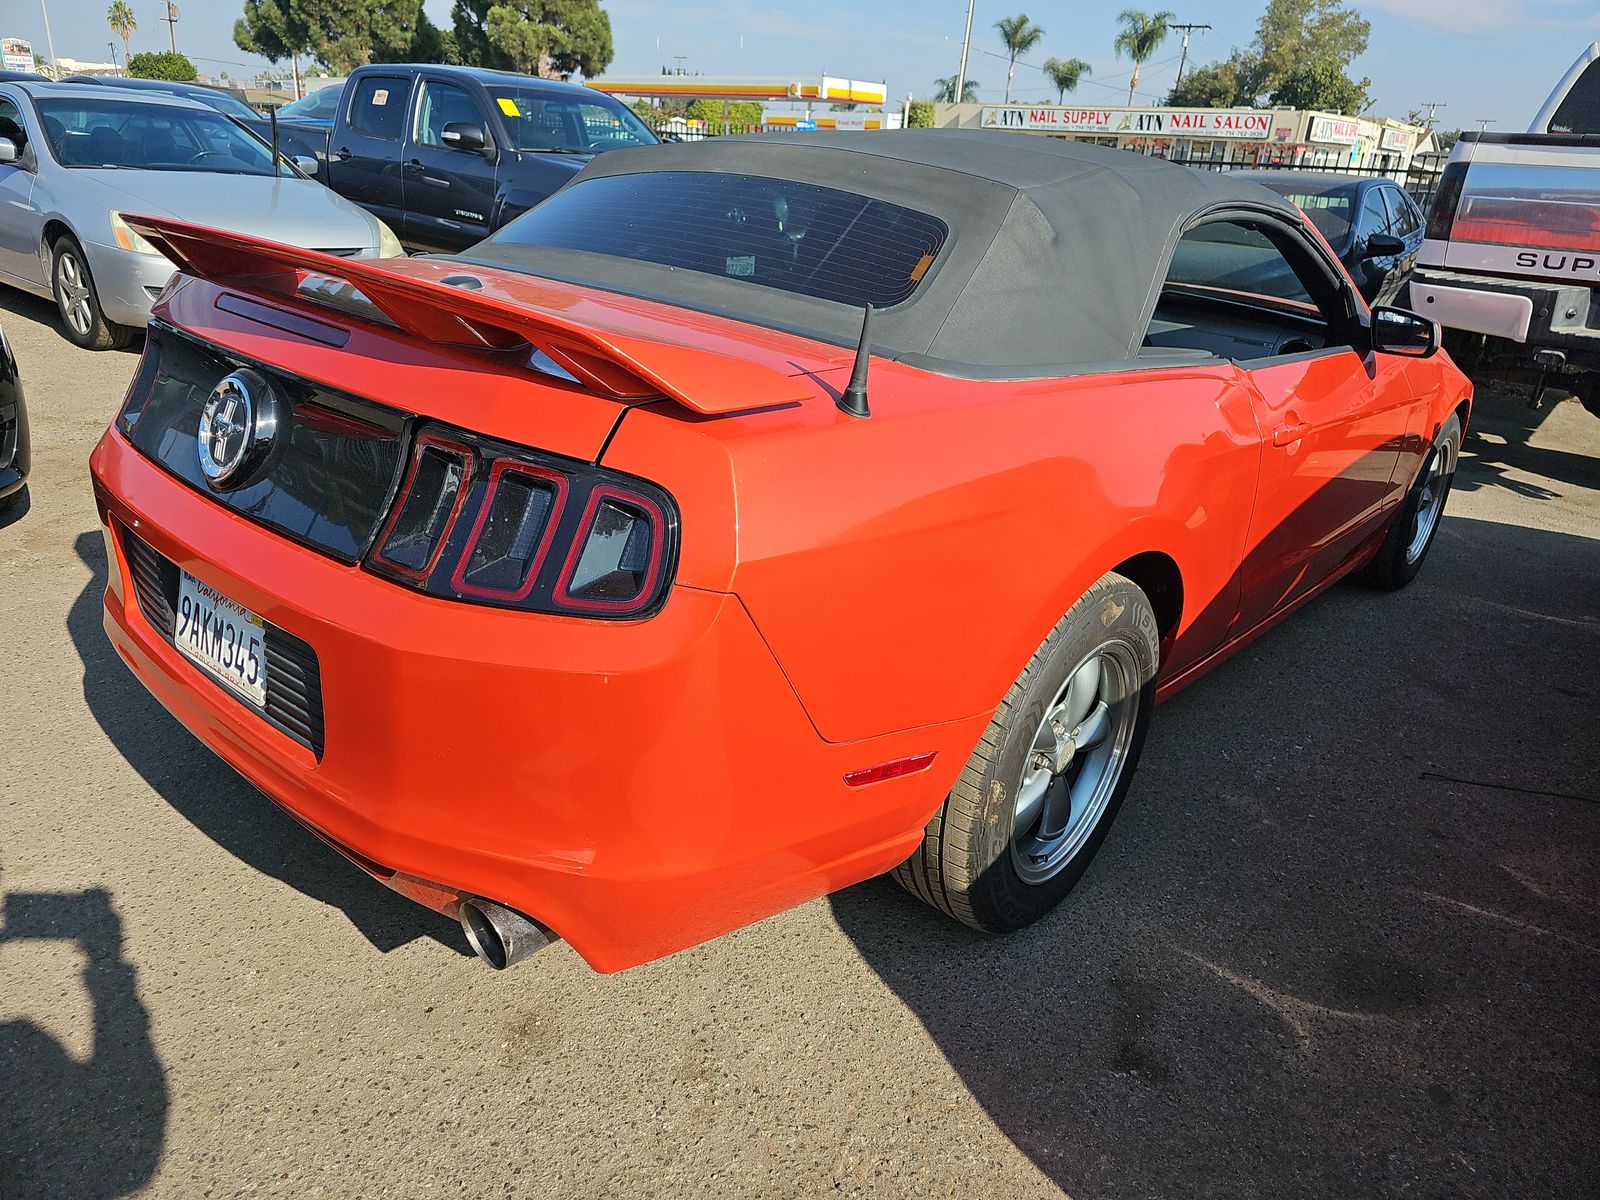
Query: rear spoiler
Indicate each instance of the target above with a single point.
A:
(622, 366)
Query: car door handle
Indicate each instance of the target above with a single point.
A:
(342, 153)
(414, 166)
(1291, 431)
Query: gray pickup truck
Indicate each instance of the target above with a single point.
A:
(1510, 265)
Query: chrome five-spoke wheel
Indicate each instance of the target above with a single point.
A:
(73, 294)
(1430, 500)
(1079, 752)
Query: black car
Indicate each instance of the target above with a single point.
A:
(1372, 225)
(225, 103)
(22, 77)
(447, 155)
(14, 451)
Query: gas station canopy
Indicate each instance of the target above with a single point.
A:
(828, 90)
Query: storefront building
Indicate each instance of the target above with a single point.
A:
(1223, 136)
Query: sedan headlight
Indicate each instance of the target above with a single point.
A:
(128, 238)
(388, 245)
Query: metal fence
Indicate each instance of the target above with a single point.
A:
(1421, 179)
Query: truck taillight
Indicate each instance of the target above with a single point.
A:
(1442, 216)
(489, 523)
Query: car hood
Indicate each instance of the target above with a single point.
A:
(298, 212)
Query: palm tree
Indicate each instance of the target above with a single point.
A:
(123, 22)
(1141, 36)
(944, 91)
(1019, 37)
(1064, 74)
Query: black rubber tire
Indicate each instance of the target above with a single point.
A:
(102, 334)
(1390, 569)
(963, 866)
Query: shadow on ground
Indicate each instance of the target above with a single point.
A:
(220, 803)
(1498, 452)
(1312, 959)
(90, 1129)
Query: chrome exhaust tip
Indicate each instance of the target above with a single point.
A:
(500, 936)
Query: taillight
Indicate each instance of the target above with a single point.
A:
(1442, 215)
(618, 555)
(489, 523)
(430, 499)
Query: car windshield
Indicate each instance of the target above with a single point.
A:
(1330, 207)
(775, 233)
(149, 137)
(320, 105)
(542, 120)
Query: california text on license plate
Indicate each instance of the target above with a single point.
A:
(226, 639)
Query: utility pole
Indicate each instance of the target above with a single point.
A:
(966, 46)
(1183, 59)
(172, 26)
(1484, 123)
(112, 46)
(55, 67)
(1431, 105)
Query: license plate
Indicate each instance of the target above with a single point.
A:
(223, 637)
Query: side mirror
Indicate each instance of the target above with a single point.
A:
(306, 163)
(463, 135)
(1384, 245)
(8, 150)
(1397, 331)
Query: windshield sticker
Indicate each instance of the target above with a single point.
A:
(509, 107)
(380, 97)
(743, 265)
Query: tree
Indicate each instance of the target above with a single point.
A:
(1294, 33)
(122, 21)
(742, 114)
(1064, 73)
(919, 114)
(1019, 36)
(163, 65)
(1215, 85)
(553, 38)
(944, 90)
(1141, 36)
(274, 29)
(1323, 86)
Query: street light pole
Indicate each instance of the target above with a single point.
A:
(55, 67)
(966, 46)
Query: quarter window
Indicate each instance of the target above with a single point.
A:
(379, 109)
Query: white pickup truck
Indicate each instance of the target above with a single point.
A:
(1511, 261)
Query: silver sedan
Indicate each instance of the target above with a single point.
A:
(74, 160)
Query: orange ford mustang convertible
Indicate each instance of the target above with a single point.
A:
(753, 517)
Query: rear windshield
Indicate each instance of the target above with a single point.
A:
(1516, 204)
(1579, 110)
(322, 104)
(774, 233)
(1331, 210)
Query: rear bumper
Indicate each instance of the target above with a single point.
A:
(637, 787)
(1537, 315)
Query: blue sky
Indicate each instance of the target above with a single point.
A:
(1483, 59)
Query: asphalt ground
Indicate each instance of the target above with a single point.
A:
(1344, 940)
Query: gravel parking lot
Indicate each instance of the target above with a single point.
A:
(1344, 941)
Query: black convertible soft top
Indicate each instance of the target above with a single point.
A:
(1055, 256)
